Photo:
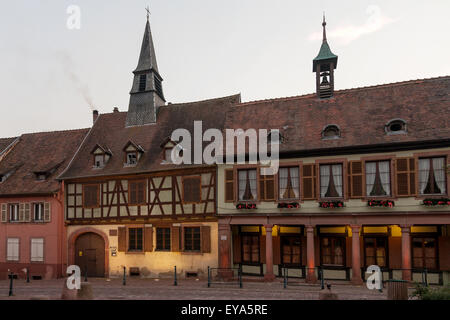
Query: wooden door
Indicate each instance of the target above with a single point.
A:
(90, 255)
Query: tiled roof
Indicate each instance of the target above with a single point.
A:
(38, 152)
(5, 143)
(109, 131)
(360, 113)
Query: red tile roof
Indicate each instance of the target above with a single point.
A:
(38, 152)
(5, 143)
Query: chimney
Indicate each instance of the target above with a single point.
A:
(94, 115)
(115, 109)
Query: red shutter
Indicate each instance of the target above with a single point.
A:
(148, 239)
(206, 239)
(122, 239)
(309, 182)
(356, 179)
(229, 185)
(175, 235)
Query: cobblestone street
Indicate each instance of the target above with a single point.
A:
(149, 289)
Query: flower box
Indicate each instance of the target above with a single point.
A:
(331, 204)
(247, 206)
(381, 203)
(436, 202)
(288, 205)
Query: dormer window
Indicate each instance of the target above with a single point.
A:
(331, 131)
(133, 153)
(281, 138)
(2, 178)
(101, 156)
(41, 176)
(395, 126)
(168, 145)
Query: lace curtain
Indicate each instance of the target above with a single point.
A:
(424, 173)
(439, 173)
(324, 179)
(337, 176)
(383, 167)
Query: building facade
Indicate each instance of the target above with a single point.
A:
(32, 233)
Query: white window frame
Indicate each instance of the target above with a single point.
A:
(37, 247)
(10, 242)
(14, 214)
(40, 205)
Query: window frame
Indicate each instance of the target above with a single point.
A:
(446, 182)
(10, 205)
(386, 248)
(167, 236)
(344, 164)
(127, 162)
(196, 177)
(250, 234)
(142, 80)
(135, 251)
(343, 237)
(289, 166)
(43, 250)
(83, 195)
(137, 203)
(41, 211)
(184, 239)
(7, 249)
(422, 236)
(291, 237)
(391, 180)
(247, 168)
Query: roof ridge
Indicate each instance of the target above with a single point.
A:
(206, 100)
(55, 131)
(390, 84)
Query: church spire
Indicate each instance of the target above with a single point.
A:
(146, 95)
(324, 65)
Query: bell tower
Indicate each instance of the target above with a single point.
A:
(146, 94)
(324, 65)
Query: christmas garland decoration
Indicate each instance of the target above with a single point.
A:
(436, 202)
(286, 205)
(381, 203)
(246, 206)
(331, 204)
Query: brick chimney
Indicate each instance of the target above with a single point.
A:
(115, 109)
(94, 115)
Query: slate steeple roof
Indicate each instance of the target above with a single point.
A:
(325, 51)
(147, 58)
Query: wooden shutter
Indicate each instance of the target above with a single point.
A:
(356, 179)
(137, 192)
(176, 236)
(27, 212)
(192, 190)
(309, 182)
(22, 212)
(405, 171)
(229, 185)
(4, 212)
(47, 212)
(267, 187)
(206, 239)
(148, 238)
(122, 239)
(132, 194)
(236, 248)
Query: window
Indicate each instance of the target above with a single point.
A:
(158, 86)
(395, 126)
(91, 196)
(331, 132)
(13, 212)
(378, 182)
(99, 161)
(41, 176)
(12, 253)
(37, 250)
(2, 178)
(250, 248)
(375, 249)
(331, 181)
(247, 184)
(132, 158)
(229, 185)
(38, 212)
(291, 250)
(135, 239)
(192, 189)
(192, 239)
(332, 249)
(267, 187)
(168, 154)
(424, 253)
(136, 192)
(432, 176)
(289, 183)
(163, 239)
(142, 82)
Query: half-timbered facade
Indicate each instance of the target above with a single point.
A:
(363, 180)
(127, 205)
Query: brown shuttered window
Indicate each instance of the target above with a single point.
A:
(309, 182)
(192, 189)
(136, 192)
(148, 239)
(267, 187)
(229, 185)
(176, 237)
(91, 196)
(122, 239)
(406, 177)
(355, 176)
(206, 239)
(135, 239)
(192, 239)
(163, 239)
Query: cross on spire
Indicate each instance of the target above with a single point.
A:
(324, 23)
(148, 12)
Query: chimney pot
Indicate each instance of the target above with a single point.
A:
(94, 115)
(116, 109)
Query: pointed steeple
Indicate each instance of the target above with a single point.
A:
(324, 65)
(146, 95)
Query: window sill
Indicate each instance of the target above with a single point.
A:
(192, 252)
(135, 252)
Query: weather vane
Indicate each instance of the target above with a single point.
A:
(148, 12)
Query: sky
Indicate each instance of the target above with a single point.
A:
(52, 76)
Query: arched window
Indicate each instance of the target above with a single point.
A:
(331, 131)
(395, 126)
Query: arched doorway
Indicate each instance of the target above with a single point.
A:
(90, 254)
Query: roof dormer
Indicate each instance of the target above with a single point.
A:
(101, 156)
(167, 145)
(133, 152)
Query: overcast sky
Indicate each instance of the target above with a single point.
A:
(51, 76)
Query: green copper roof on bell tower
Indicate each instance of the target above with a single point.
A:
(325, 51)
